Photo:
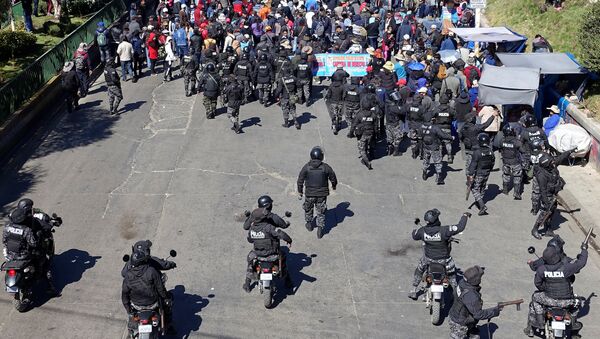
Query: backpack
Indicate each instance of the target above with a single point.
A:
(320, 28)
(101, 39)
(473, 75)
(80, 63)
(441, 74)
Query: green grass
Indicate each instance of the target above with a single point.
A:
(10, 68)
(560, 28)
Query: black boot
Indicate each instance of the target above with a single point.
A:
(505, 189)
(517, 195)
(438, 179)
(450, 159)
(297, 124)
(535, 233)
(366, 163)
(482, 207)
(246, 285)
(528, 331)
(309, 226)
(424, 175)
(396, 150)
(285, 124)
(319, 232)
(390, 149)
(334, 128)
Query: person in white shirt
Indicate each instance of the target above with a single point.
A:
(125, 53)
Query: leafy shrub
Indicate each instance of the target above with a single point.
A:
(16, 44)
(589, 38)
(54, 29)
(85, 7)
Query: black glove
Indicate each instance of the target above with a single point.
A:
(172, 265)
(584, 246)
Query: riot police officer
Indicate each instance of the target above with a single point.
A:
(334, 100)
(512, 171)
(444, 114)
(304, 75)
(466, 309)
(315, 176)
(529, 135)
(282, 61)
(189, 75)
(265, 236)
(351, 103)
(394, 121)
(286, 91)
(235, 94)
(431, 137)
(469, 133)
(553, 281)
(263, 78)
(550, 183)
(364, 123)
(243, 71)
(227, 61)
(415, 116)
(113, 82)
(210, 82)
(479, 170)
(437, 240)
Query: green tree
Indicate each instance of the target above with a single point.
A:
(589, 38)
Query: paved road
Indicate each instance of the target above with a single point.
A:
(161, 171)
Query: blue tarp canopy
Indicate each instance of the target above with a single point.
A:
(511, 41)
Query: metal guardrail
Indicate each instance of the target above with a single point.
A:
(22, 87)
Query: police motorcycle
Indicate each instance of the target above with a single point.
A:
(267, 269)
(23, 272)
(560, 322)
(147, 322)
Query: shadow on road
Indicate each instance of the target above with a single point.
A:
(487, 330)
(131, 106)
(77, 129)
(250, 122)
(296, 262)
(492, 192)
(15, 183)
(69, 266)
(336, 216)
(185, 311)
(305, 118)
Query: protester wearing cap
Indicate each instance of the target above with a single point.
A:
(467, 310)
(553, 120)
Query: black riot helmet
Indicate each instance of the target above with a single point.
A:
(316, 153)
(551, 256)
(395, 97)
(432, 216)
(556, 242)
(265, 201)
(537, 145)
(245, 56)
(303, 56)
(355, 81)
(142, 246)
(508, 130)
(139, 258)
(370, 88)
(17, 216)
(483, 139)
(229, 50)
(263, 57)
(210, 67)
(26, 205)
(246, 50)
(529, 120)
(545, 160)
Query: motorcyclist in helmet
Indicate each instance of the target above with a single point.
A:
(18, 238)
(158, 263)
(143, 287)
(437, 239)
(264, 232)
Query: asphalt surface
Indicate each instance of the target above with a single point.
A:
(162, 171)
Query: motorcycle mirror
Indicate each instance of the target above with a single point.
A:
(417, 221)
(288, 214)
(54, 216)
(531, 250)
(247, 213)
(173, 253)
(126, 258)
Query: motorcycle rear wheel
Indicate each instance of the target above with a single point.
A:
(268, 297)
(436, 308)
(21, 302)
